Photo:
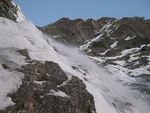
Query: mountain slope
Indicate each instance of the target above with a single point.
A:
(25, 39)
(40, 75)
(25, 50)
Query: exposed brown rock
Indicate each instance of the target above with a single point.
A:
(35, 96)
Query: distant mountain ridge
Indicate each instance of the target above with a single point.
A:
(80, 30)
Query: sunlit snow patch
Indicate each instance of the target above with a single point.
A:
(58, 93)
(9, 82)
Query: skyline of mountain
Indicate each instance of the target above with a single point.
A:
(49, 11)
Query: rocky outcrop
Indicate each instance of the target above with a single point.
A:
(9, 10)
(46, 89)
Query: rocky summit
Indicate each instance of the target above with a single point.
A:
(73, 66)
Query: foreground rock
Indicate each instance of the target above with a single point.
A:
(46, 89)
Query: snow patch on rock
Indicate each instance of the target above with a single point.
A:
(58, 93)
(9, 82)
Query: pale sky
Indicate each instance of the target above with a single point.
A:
(43, 12)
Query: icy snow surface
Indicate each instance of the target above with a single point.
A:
(109, 88)
(129, 38)
(58, 93)
(114, 44)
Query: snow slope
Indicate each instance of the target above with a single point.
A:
(109, 88)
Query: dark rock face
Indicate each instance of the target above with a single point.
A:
(79, 30)
(72, 31)
(43, 91)
(8, 10)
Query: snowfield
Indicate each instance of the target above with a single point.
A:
(108, 85)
